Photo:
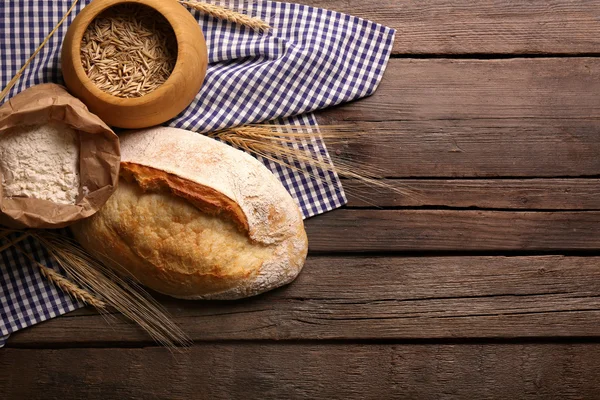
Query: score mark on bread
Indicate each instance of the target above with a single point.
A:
(203, 197)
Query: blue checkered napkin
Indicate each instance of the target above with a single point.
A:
(26, 297)
(314, 58)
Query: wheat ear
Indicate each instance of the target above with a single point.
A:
(64, 284)
(125, 296)
(227, 14)
(93, 283)
(284, 146)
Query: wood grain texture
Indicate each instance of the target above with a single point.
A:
(475, 148)
(452, 230)
(378, 298)
(457, 89)
(504, 118)
(306, 371)
(525, 194)
(483, 26)
(501, 120)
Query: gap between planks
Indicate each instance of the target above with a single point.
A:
(490, 56)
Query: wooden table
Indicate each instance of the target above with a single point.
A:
(485, 285)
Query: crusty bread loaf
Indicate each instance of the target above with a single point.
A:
(197, 219)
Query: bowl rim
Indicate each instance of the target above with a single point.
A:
(159, 6)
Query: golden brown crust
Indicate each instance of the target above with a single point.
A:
(175, 248)
(176, 224)
(205, 198)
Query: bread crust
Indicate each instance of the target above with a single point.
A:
(194, 218)
(203, 197)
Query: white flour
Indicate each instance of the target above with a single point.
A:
(42, 162)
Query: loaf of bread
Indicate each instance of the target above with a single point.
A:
(194, 218)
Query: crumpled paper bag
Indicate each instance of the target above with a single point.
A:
(99, 157)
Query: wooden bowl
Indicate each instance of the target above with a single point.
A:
(167, 100)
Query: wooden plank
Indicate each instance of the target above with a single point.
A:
(525, 194)
(456, 89)
(453, 230)
(474, 148)
(505, 118)
(306, 371)
(378, 298)
(482, 26)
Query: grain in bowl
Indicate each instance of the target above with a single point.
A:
(129, 50)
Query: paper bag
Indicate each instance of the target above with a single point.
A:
(99, 157)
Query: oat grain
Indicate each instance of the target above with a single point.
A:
(129, 50)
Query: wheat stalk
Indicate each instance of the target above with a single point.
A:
(127, 297)
(227, 14)
(210, 9)
(64, 284)
(294, 147)
(93, 283)
(15, 78)
(7, 232)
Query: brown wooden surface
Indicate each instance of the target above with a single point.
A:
(482, 26)
(517, 194)
(472, 148)
(552, 90)
(308, 370)
(356, 298)
(478, 278)
(451, 230)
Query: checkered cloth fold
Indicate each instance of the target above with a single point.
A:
(314, 58)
